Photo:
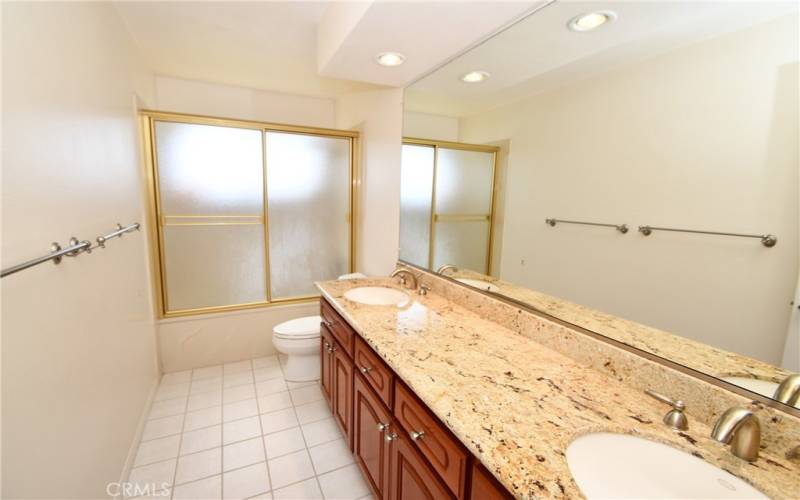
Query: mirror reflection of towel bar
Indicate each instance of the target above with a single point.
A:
(768, 240)
(622, 228)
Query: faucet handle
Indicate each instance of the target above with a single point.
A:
(675, 418)
(423, 289)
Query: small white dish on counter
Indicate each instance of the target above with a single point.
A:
(479, 284)
(606, 465)
(377, 296)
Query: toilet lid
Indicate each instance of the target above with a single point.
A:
(299, 328)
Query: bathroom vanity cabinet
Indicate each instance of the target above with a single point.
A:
(402, 448)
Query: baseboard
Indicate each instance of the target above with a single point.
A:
(137, 437)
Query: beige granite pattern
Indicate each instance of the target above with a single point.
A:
(687, 352)
(516, 403)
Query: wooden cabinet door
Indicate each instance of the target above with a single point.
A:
(343, 392)
(411, 478)
(371, 422)
(486, 487)
(326, 364)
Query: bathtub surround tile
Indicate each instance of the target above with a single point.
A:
(290, 469)
(209, 488)
(161, 427)
(157, 450)
(239, 430)
(239, 410)
(274, 402)
(203, 418)
(278, 420)
(329, 456)
(199, 465)
(285, 442)
(201, 439)
(246, 482)
(345, 483)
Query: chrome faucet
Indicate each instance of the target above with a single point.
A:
(789, 390)
(674, 418)
(741, 429)
(405, 275)
(445, 267)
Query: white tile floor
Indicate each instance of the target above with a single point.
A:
(241, 431)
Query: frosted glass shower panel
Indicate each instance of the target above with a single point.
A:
(416, 189)
(462, 243)
(464, 182)
(215, 265)
(209, 170)
(308, 197)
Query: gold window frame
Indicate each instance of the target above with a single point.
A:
(435, 217)
(157, 220)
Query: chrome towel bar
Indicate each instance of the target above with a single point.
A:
(768, 240)
(622, 228)
(76, 247)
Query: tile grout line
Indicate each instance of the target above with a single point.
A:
(263, 446)
(180, 440)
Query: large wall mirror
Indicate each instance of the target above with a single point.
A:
(628, 167)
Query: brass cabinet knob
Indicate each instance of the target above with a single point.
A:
(390, 437)
(416, 436)
(382, 427)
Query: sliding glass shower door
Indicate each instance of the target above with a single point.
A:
(446, 204)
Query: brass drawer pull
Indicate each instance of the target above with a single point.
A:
(365, 369)
(329, 323)
(390, 437)
(382, 427)
(416, 436)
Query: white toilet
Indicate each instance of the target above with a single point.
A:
(299, 340)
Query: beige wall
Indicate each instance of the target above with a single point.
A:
(702, 137)
(378, 114)
(429, 126)
(78, 343)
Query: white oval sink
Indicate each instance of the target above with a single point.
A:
(377, 296)
(607, 465)
(483, 285)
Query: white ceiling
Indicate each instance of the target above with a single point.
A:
(275, 45)
(263, 45)
(540, 53)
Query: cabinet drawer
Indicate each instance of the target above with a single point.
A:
(375, 372)
(339, 328)
(445, 454)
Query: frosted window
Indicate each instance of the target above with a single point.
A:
(206, 169)
(308, 194)
(416, 189)
(464, 244)
(214, 265)
(464, 182)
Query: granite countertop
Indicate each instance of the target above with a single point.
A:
(682, 350)
(517, 405)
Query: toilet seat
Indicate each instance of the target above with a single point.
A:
(299, 328)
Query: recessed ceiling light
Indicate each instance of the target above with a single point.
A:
(390, 58)
(475, 77)
(590, 21)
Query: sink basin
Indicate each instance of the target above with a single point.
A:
(483, 285)
(609, 465)
(377, 296)
(763, 387)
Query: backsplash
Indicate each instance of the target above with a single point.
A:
(704, 401)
